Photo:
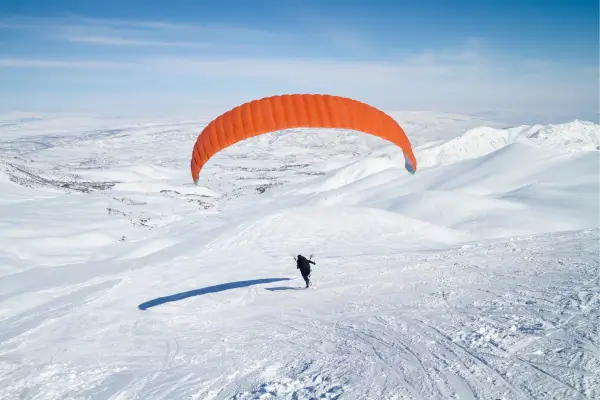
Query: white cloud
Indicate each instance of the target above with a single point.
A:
(466, 79)
(466, 83)
(45, 64)
(120, 32)
(121, 41)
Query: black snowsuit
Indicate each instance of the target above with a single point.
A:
(303, 264)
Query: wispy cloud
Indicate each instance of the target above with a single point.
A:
(45, 64)
(466, 78)
(125, 32)
(121, 41)
(462, 69)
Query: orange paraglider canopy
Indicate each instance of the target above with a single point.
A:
(296, 111)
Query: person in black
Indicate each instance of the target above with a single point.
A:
(303, 264)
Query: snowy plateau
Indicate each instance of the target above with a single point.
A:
(475, 278)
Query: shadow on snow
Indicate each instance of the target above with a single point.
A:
(209, 289)
(275, 289)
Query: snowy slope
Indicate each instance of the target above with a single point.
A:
(573, 136)
(477, 277)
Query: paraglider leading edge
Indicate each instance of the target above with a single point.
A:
(286, 111)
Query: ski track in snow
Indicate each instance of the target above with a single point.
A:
(476, 278)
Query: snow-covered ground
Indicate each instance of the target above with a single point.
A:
(475, 278)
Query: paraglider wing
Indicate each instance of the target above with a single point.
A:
(296, 111)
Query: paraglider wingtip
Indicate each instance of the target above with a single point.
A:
(196, 182)
(408, 163)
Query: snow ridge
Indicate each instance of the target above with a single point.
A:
(569, 137)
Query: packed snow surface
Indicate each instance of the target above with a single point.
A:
(475, 278)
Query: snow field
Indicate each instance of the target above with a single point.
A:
(475, 278)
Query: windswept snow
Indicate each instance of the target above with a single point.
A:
(477, 277)
(569, 137)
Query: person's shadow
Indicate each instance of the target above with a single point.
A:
(278, 288)
(209, 289)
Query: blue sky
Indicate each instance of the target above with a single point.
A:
(521, 61)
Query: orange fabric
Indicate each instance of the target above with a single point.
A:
(294, 111)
